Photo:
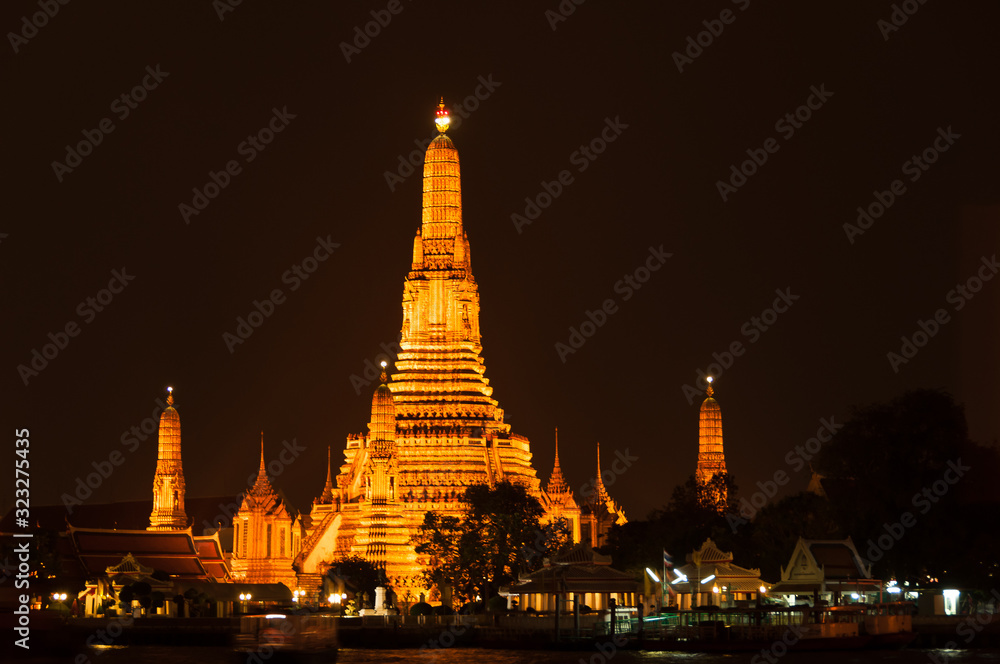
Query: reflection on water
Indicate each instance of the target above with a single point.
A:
(181, 655)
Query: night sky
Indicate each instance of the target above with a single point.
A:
(884, 97)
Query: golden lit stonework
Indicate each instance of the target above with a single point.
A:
(435, 428)
(711, 457)
(168, 483)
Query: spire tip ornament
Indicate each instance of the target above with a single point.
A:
(441, 118)
(710, 391)
(170, 396)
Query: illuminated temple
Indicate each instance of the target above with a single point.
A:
(435, 428)
(711, 457)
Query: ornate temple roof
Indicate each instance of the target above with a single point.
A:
(557, 485)
(262, 495)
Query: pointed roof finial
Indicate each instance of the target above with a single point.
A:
(170, 396)
(384, 377)
(600, 493)
(710, 391)
(557, 483)
(326, 497)
(262, 467)
(441, 117)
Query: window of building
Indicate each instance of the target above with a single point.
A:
(281, 549)
(268, 540)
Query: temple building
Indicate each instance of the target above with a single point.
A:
(266, 534)
(168, 483)
(599, 511)
(711, 457)
(435, 427)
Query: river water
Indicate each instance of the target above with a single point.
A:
(183, 655)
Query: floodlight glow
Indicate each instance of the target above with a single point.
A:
(680, 577)
(855, 596)
(707, 579)
(894, 590)
(653, 575)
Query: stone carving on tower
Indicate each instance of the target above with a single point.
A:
(168, 483)
(711, 457)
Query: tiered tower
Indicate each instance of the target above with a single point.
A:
(711, 458)
(435, 427)
(168, 483)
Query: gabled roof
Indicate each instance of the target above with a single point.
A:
(581, 554)
(829, 560)
(126, 515)
(176, 552)
(710, 553)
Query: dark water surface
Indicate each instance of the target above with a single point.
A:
(183, 655)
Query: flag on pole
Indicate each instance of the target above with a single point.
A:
(667, 560)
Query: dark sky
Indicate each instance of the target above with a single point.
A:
(552, 91)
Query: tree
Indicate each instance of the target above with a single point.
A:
(695, 513)
(890, 472)
(362, 574)
(499, 536)
(778, 526)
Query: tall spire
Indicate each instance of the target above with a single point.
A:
(326, 497)
(262, 487)
(383, 422)
(600, 493)
(711, 456)
(442, 206)
(557, 483)
(168, 483)
(440, 378)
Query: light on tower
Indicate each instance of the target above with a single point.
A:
(710, 379)
(384, 364)
(441, 117)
